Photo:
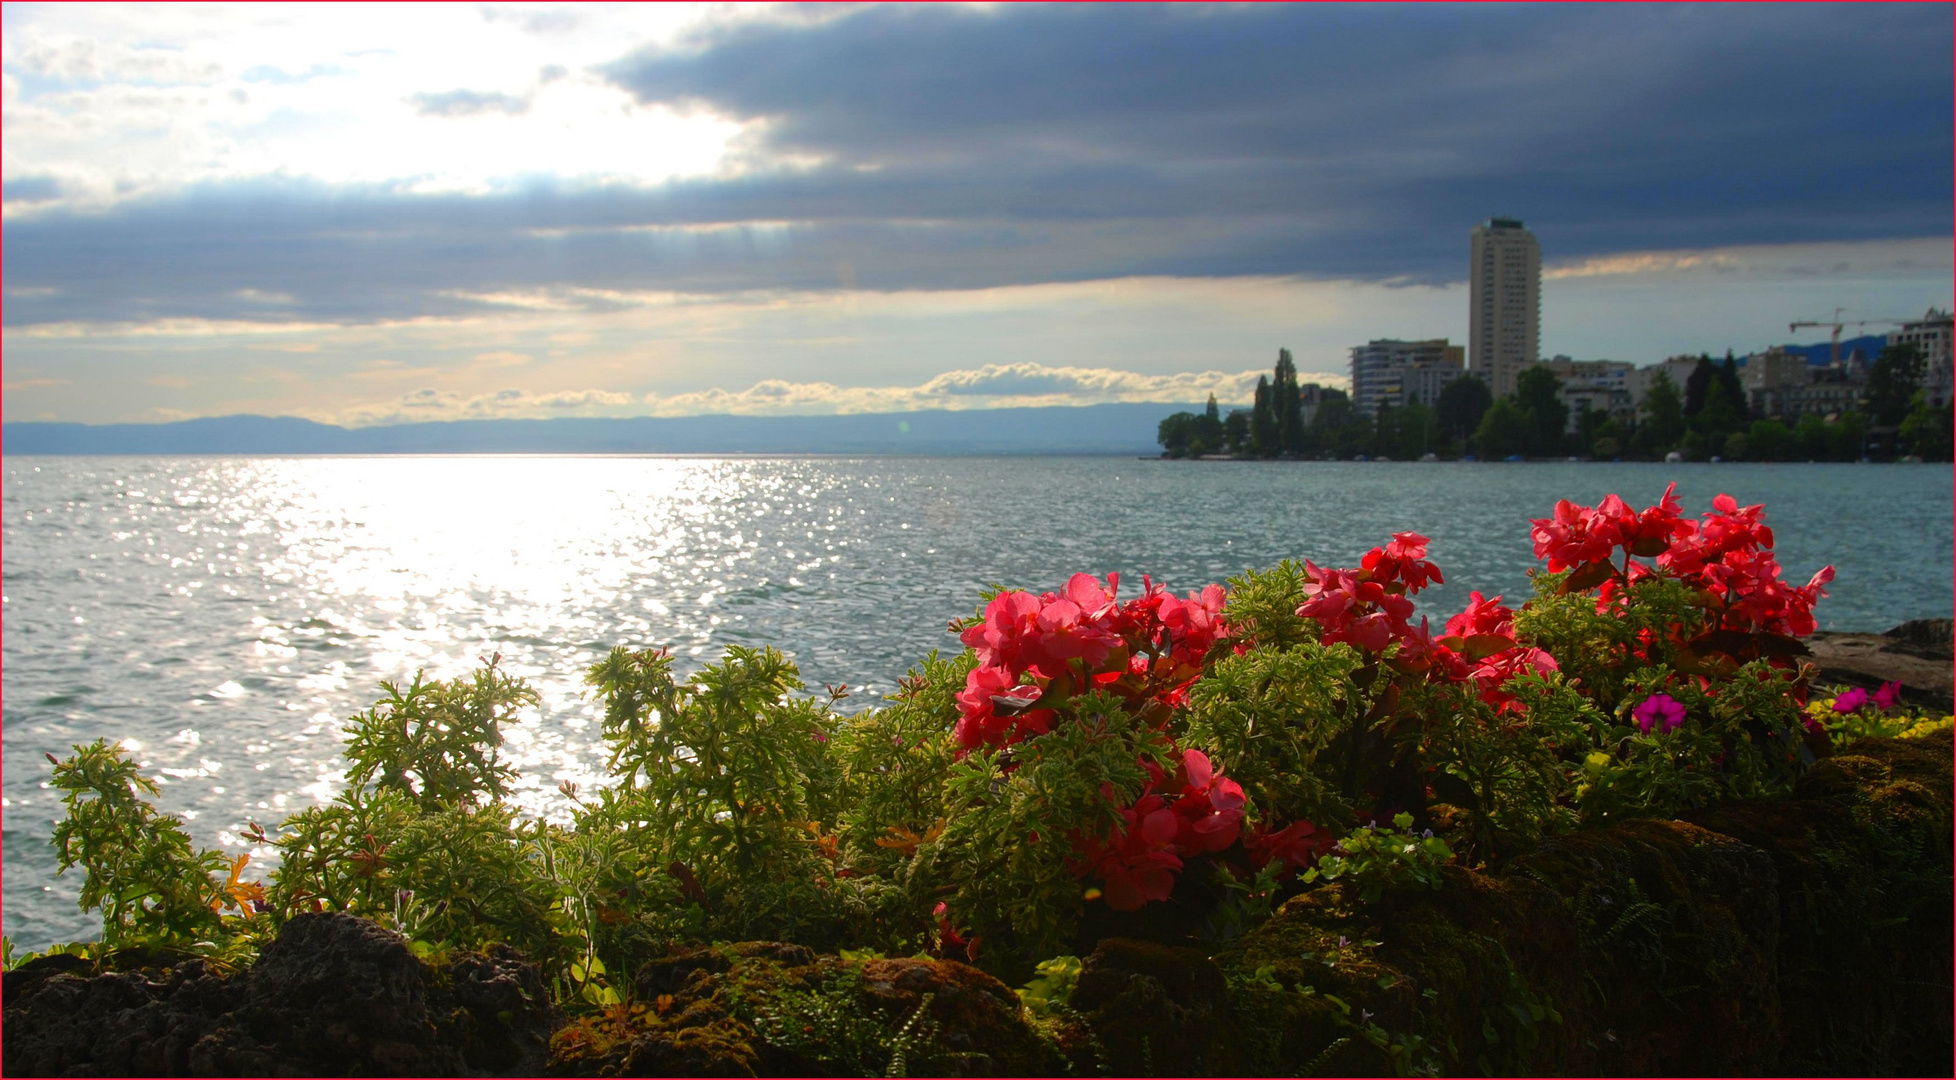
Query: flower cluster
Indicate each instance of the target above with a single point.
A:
(1035, 651)
(1731, 555)
(1727, 554)
(1139, 861)
(1368, 608)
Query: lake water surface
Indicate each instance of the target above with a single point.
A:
(225, 615)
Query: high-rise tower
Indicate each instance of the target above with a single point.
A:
(1504, 324)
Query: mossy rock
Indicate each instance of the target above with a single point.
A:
(332, 995)
(1863, 858)
(774, 1009)
(1806, 935)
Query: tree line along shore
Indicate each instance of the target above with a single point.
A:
(1708, 418)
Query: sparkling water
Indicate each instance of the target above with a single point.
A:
(223, 616)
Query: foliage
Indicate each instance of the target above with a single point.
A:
(141, 869)
(437, 742)
(1376, 860)
(1051, 985)
(1088, 763)
(1462, 404)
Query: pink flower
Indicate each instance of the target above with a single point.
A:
(1888, 696)
(1483, 616)
(1850, 701)
(1658, 709)
(1402, 560)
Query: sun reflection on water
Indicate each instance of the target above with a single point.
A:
(225, 616)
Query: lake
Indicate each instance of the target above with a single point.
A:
(225, 615)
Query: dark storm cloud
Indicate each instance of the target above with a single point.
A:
(966, 148)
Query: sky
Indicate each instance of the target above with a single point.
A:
(376, 214)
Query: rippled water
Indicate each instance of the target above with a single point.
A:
(224, 615)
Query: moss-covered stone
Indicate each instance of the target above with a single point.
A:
(333, 995)
(771, 1009)
(1863, 860)
(1807, 935)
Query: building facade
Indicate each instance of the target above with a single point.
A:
(1775, 382)
(1931, 337)
(1504, 316)
(1677, 369)
(1396, 373)
(1594, 385)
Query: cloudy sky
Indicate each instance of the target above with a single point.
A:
(367, 214)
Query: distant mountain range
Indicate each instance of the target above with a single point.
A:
(1086, 429)
(1823, 353)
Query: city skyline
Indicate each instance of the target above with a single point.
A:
(536, 211)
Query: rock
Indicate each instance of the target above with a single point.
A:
(1151, 1010)
(332, 995)
(1916, 654)
(1863, 857)
(1807, 935)
(774, 1009)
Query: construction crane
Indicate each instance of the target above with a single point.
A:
(1837, 324)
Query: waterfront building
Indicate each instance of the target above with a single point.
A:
(1931, 337)
(1773, 381)
(1309, 396)
(1676, 368)
(1396, 373)
(1505, 303)
(1601, 385)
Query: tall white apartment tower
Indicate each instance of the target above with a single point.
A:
(1504, 326)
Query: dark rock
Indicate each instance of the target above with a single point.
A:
(1916, 654)
(333, 995)
(1807, 935)
(1153, 1010)
(1863, 856)
(772, 1009)
(1931, 639)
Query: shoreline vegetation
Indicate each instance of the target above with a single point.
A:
(1283, 825)
(1707, 419)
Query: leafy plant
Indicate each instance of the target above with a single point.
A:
(1377, 860)
(437, 742)
(141, 869)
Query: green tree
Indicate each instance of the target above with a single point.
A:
(1289, 405)
(1769, 440)
(1721, 416)
(1264, 438)
(1728, 377)
(1536, 393)
(1462, 404)
(1504, 430)
(1810, 438)
(1929, 432)
(1589, 423)
(1338, 429)
(1847, 438)
(1892, 382)
(1179, 435)
(1663, 411)
(1698, 384)
(1236, 432)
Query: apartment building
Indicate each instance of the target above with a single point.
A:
(1931, 337)
(1395, 373)
(1505, 304)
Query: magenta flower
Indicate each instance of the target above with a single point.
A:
(1658, 708)
(1851, 700)
(1889, 696)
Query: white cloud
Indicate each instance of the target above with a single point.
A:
(127, 101)
(1018, 385)
(1846, 259)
